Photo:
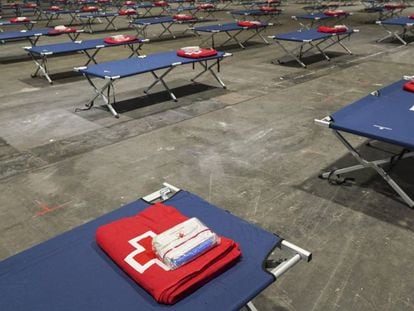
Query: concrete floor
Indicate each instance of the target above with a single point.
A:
(252, 149)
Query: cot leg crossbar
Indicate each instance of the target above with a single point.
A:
(299, 52)
(298, 253)
(104, 92)
(166, 29)
(90, 21)
(160, 79)
(41, 67)
(375, 165)
(230, 37)
(211, 71)
(399, 35)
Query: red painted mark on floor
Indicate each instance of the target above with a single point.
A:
(45, 208)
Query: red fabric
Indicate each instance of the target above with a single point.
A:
(161, 3)
(183, 17)
(250, 24)
(125, 40)
(335, 13)
(166, 286)
(328, 29)
(54, 8)
(30, 5)
(19, 20)
(409, 86)
(394, 6)
(268, 9)
(411, 16)
(127, 12)
(206, 6)
(58, 31)
(202, 52)
(89, 9)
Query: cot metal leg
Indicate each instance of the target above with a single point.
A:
(203, 41)
(141, 30)
(166, 29)
(376, 165)
(134, 51)
(233, 37)
(73, 36)
(100, 93)
(256, 32)
(210, 69)
(87, 25)
(291, 54)
(393, 34)
(91, 57)
(160, 79)
(251, 307)
(41, 67)
(110, 22)
(337, 40)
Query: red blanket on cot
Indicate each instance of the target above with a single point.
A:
(128, 242)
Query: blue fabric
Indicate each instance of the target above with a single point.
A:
(386, 117)
(314, 16)
(61, 11)
(223, 27)
(147, 5)
(67, 47)
(253, 12)
(194, 253)
(9, 35)
(153, 20)
(399, 21)
(308, 35)
(9, 23)
(70, 272)
(97, 15)
(134, 66)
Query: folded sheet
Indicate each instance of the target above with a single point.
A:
(128, 242)
(184, 242)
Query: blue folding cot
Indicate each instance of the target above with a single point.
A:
(28, 25)
(166, 22)
(118, 69)
(309, 20)
(319, 8)
(385, 115)
(252, 4)
(401, 22)
(315, 40)
(256, 14)
(384, 11)
(51, 15)
(148, 7)
(41, 53)
(33, 35)
(232, 30)
(88, 19)
(71, 272)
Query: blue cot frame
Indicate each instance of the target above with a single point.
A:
(70, 271)
(385, 115)
(310, 40)
(115, 70)
(401, 22)
(41, 53)
(231, 30)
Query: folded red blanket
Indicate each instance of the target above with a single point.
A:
(128, 242)
(328, 29)
(409, 86)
